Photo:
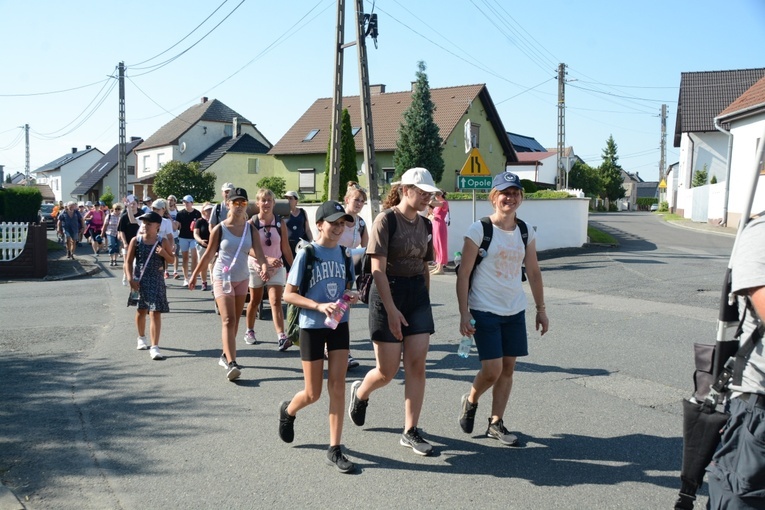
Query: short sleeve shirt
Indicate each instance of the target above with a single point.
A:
(748, 272)
(326, 285)
(496, 285)
(186, 218)
(410, 248)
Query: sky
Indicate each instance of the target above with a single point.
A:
(270, 61)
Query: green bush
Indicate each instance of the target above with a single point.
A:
(276, 184)
(529, 186)
(108, 197)
(664, 206)
(21, 204)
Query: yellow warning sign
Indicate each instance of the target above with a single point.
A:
(475, 165)
(663, 184)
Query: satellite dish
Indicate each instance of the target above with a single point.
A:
(362, 169)
(182, 147)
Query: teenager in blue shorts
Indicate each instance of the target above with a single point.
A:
(328, 283)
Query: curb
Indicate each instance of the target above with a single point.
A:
(9, 500)
(87, 270)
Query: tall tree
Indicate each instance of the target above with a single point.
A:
(700, 177)
(348, 168)
(583, 176)
(179, 179)
(419, 142)
(611, 173)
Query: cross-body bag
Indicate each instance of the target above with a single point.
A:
(134, 296)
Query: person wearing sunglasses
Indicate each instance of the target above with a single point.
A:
(232, 239)
(275, 242)
(355, 236)
(400, 315)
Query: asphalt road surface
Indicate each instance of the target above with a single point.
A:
(89, 422)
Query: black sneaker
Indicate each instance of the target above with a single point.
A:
(336, 458)
(467, 414)
(286, 423)
(357, 409)
(411, 439)
(498, 431)
(234, 371)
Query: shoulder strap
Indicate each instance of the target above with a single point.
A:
(308, 270)
(347, 259)
(392, 223)
(488, 233)
(746, 348)
(524, 230)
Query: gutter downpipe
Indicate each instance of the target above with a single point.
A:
(727, 171)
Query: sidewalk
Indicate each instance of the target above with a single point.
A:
(705, 227)
(85, 263)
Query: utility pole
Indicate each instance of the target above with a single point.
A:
(26, 165)
(122, 157)
(663, 160)
(365, 99)
(561, 124)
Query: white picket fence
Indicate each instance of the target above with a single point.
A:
(13, 237)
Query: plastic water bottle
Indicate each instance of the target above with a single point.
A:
(457, 258)
(134, 295)
(341, 306)
(226, 280)
(465, 344)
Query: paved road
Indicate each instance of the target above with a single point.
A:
(86, 421)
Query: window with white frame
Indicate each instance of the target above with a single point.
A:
(146, 164)
(160, 159)
(307, 180)
(253, 165)
(475, 132)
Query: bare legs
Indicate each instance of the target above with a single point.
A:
(230, 308)
(498, 375)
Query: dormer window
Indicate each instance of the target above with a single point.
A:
(310, 136)
(355, 130)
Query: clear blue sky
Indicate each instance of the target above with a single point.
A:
(270, 60)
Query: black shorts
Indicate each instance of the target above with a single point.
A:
(312, 341)
(412, 298)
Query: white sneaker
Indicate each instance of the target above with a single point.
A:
(142, 345)
(124, 281)
(155, 353)
(185, 283)
(222, 361)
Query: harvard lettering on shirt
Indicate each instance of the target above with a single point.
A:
(324, 269)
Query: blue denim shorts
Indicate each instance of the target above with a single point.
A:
(497, 336)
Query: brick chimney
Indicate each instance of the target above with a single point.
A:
(377, 89)
(203, 100)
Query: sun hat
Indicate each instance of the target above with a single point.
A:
(419, 177)
(227, 186)
(208, 206)
(238, 194)
(147, 198)
(188, 198)
(332, 211)
(88, 203)
(292, 194)
(159, 204)
(506, 180)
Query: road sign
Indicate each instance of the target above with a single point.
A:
(480, 182)
(475, 165)
(663, 184)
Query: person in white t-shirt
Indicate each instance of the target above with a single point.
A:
(493, 305)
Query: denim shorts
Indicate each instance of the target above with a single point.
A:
(497, 336)
(412, 298)
(186, 244)
(312, 341)
(114, 245)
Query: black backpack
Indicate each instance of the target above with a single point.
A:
(488, 232)
(364, 278)
(292, 327)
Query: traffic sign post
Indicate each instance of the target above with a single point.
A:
(475, 165)
(474, 182)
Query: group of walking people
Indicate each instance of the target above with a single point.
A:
(249, 254)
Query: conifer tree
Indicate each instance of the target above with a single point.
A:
(348, 168)
(611, 173)
(419, 143)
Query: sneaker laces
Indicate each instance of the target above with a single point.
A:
(500, 427)
(414, 436)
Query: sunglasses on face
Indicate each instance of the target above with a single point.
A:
(422, 194)
(239, 203)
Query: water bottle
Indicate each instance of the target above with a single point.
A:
(341, 306)
(226, 280)
(135, 295)
(457, 258)
(465, 344)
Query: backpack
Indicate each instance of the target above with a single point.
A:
(488, 233)
(364, 279)
(292, 320)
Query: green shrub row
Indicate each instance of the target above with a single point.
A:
(20, 204)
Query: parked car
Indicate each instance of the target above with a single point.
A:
(654, 207)
(46, 216)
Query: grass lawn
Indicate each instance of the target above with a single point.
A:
(598, 236)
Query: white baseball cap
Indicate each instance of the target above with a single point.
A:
(227, 186)
(419, 177)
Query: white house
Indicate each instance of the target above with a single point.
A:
(61, 174)
(104, 173)
(703, 95)
(187, 136)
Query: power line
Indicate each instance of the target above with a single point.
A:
(49, 136)
(184, 37)
(53, 91)
(156, 67)
(621, 96)
(16, 140)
